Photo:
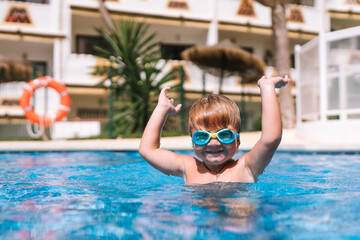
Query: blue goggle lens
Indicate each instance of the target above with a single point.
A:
(200, 136)
(226, 136)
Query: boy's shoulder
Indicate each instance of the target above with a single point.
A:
(190, 162)
(189, 159)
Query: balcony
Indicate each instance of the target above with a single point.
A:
(26, 19)
(229, 13)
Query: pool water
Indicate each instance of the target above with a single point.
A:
(117, 195)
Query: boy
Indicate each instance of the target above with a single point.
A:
(214, 125)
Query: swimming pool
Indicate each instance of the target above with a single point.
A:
(117, 195)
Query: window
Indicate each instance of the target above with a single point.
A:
(173, 51)
(92, 113)
(33, 1)
(178, 4)
(292, 60)
(40, 68)
(248, 49)
(85, 44)
(10, 102)
(268, 58)
(303, 2)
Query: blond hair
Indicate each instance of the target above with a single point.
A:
(214, 111)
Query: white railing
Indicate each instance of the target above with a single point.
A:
(328, 102)
(343, 6)
(79, 68)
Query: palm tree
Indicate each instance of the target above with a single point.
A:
(135, 59)
(282, 57)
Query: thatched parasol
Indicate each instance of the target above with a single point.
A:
(226, 59)
(11, 70)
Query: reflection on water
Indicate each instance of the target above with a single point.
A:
(225, 199)
(195, 210)
(231, 203)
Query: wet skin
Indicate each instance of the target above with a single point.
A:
(216, 154)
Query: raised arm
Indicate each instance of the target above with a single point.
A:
(260, 156)
(166, 161)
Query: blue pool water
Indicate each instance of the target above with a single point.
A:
(116, 195)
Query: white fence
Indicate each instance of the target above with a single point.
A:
(328, 86)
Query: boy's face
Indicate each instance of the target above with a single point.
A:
(216, 153)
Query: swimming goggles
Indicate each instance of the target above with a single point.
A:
(225, 136)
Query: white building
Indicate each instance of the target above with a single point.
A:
(55, 35)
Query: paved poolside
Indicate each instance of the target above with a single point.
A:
(248, 139)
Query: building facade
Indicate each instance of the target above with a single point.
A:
(54, 37)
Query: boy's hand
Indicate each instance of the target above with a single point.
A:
(277, 82)
(166, 103)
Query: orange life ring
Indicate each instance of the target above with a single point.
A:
(30, 113)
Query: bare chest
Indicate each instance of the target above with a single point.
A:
(236, 172)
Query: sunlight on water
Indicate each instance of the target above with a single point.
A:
(112, 195)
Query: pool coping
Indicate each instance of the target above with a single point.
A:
(290, 142)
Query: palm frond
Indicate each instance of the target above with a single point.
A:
(137, 57)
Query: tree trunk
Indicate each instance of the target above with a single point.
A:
(105, 14)
(282, 63)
